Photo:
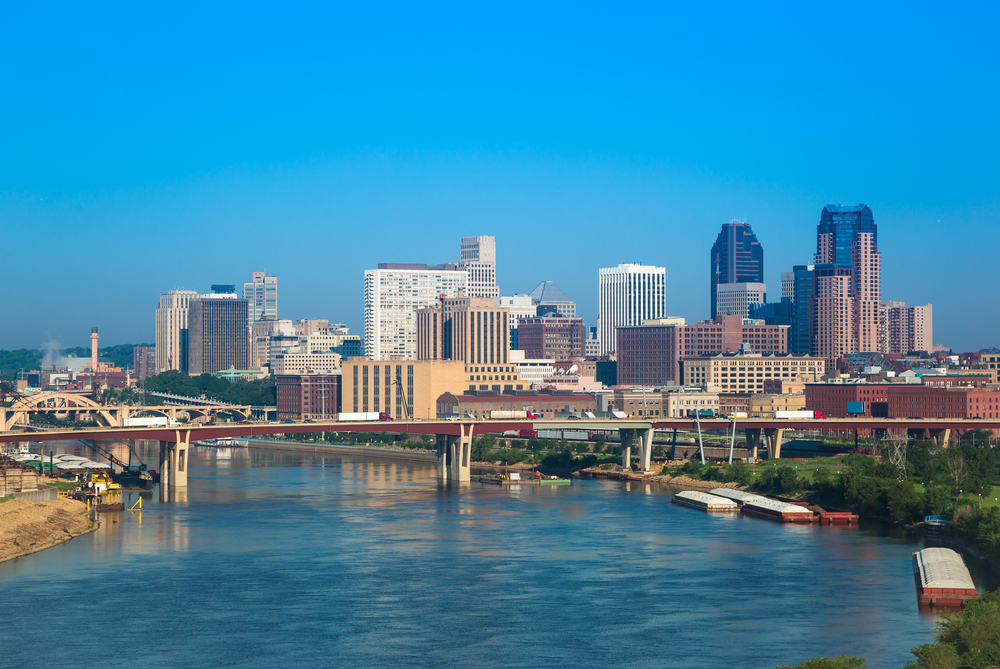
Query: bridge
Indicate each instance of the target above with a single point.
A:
(105, 415)
(454, 437)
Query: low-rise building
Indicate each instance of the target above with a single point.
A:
(651, 354)
(543, 404)
(902, 400)
(664, 402)
(403, 387)
(764, 406)
(307, 396)
(292, 362)
(748, 372)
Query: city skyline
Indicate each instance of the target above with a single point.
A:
(628, 153)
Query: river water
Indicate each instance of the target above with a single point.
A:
(282, 559)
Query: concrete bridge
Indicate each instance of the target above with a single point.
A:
(65, 403)
(454, 437)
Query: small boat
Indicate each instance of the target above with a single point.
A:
(942, 578)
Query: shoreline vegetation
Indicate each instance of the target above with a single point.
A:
(29, 527)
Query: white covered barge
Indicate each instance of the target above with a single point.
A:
(942, 578)
(705, 502)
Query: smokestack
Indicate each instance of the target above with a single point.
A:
(93, 349)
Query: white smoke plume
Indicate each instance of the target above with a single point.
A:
(52, 348)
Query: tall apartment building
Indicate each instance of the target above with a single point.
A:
(393, 294)
(651, 354)
(630, 294)
(737, 257)
(478, 257)
(903, 329)
(261, 294)
(172, 330)
(217, 326)
(548, 297)
(846, 283)
(144, 362)
(551, 337)
(736, 299)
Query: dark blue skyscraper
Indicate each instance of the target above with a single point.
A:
(737, 257)
(802, 286)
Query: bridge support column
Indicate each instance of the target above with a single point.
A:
(626, 437)
(753, 440)
(941, 437)
(443, 455)
(646, 444)
(164, 464)
(179, 465)
(773, 436)
(455, 455)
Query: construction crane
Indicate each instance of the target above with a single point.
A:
(402, 397)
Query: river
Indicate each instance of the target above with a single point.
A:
(282, 559)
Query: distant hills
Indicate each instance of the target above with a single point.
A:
(12, 362)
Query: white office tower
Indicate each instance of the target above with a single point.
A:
(788, 286)
(172, 330)
(734, 299)
(629, 295)
(261, 295)
(479, 258)
(393, 293)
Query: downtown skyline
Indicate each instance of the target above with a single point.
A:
(574, 158)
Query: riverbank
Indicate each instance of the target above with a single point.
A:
(28, 527)
(654, 476)
(380, 452)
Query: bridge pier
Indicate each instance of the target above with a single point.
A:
(773, 436)
(174, 462)
(752, 435)
(646, 444)
(626, 436)
(454, 455)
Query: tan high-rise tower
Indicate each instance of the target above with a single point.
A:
(847, 283)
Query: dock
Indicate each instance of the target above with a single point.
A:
(493, 479)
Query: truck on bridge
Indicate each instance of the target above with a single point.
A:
(150, 421)
(511, 415)
(799, 413)
(361, 416)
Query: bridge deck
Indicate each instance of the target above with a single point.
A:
(190, 433)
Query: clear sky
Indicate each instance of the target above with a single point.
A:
(150, 147)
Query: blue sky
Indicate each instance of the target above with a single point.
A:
(175, 146)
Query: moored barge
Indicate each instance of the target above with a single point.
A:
(705, 502)
(942, 578)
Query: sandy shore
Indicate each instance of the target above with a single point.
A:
(28, 527)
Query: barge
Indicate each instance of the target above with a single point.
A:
(705, 502)
(772, 509)
(942, 578)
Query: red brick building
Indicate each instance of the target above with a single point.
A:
(903, 400)
(650, 355)
(308, 396)
(550, 337)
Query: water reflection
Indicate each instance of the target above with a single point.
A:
(277, 558)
